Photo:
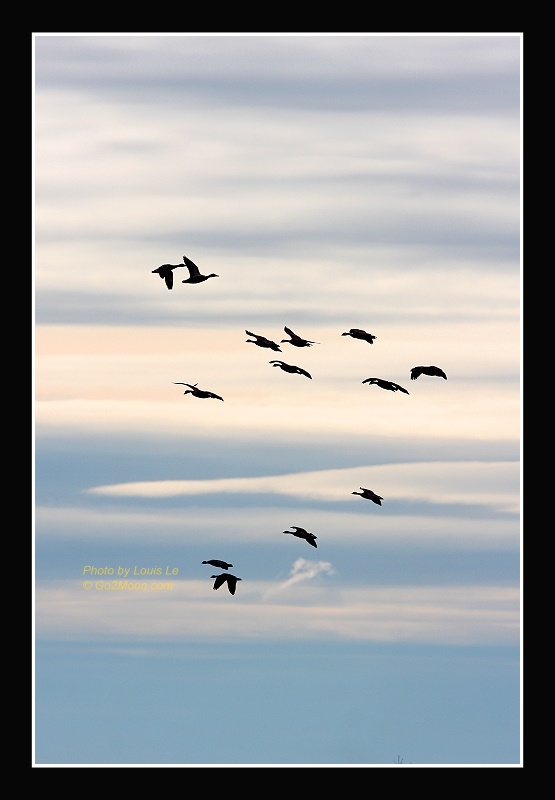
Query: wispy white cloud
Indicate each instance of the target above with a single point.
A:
(495, 484)
(303, 570)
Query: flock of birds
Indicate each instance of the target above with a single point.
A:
(165, 271)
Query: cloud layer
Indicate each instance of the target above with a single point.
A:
(190, 610)
(470, 483)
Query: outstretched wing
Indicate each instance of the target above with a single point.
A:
(192, 267)
(169, 279)
(220, 579)
(290, 333)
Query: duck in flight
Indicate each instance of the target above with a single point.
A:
(216, 562)
(194, 272)
(261, 341)
(197, 392)
(358, 333)
(393, 387)
(166, 273)
(295, 340)
(435, 371)
(290, 368)
(225, 577)
(301, 533)
(368, 494)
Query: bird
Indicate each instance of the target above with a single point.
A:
(197, 392)
(301, 533)
(215, 562)
(290, 368)
(166, 273)
(358, 333)
(295, 340)
(368, 494)
(194, 272)
(261, 341)
(416, 371)
(226, 577)
(393, 387)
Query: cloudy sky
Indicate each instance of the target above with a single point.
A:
(330, 182)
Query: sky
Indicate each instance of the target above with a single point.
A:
(330, 182)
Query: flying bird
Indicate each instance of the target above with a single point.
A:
(358, 333)
(295, 340)
(194, 272)
(197, 392)
(261, 341)
(226, 577)
(166, 273)
(393, 387)
(434, 371)
(302, 534)
(290, 368)
(368, 494)
(215, 562)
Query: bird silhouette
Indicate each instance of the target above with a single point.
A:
(215, 562)
(358, 333)
(226, 577)
(295, 340)
(290, 368)
(197, 392)
(435, 371)
(368, 494)
(301, 533)
(261, 341)
(194, 272)
(166, 273)
(393, 387)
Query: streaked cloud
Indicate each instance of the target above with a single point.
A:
(472, 483)
(223, 525)
(460, 615)
(286, 72)
(120, 379)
